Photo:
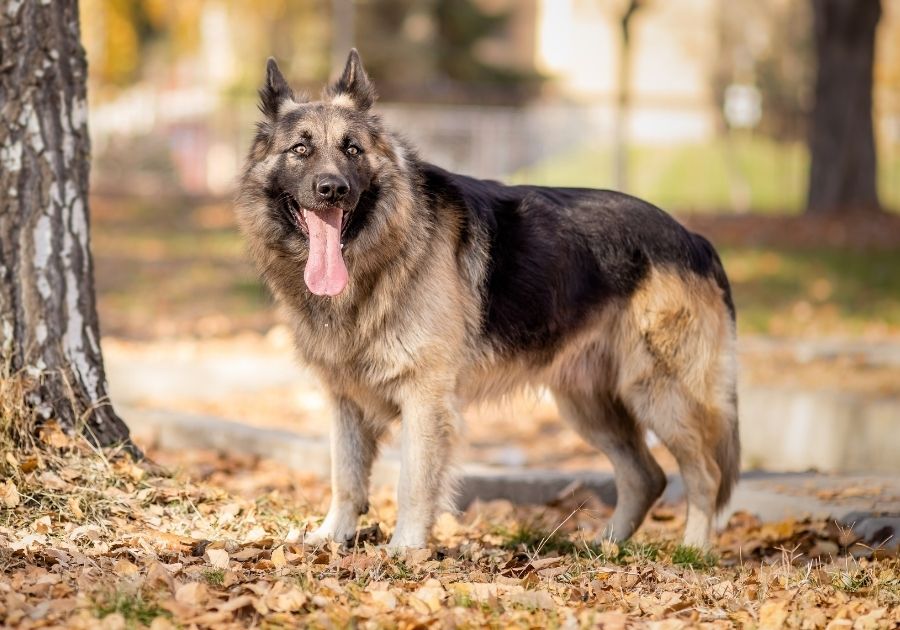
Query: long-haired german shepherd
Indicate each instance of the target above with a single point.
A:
(413, 291)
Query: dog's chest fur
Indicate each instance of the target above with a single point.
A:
(411, 327)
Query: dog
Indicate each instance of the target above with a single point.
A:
(412, 292)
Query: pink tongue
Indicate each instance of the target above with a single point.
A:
(326, 273)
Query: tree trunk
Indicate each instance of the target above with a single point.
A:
(342, 32)
(48, 317)
(623, 97)
(842, 143)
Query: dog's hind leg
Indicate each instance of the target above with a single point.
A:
(607, 425)
(692, 435)
(354, 445)
(677, 377)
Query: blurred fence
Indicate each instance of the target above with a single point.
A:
(149, 144)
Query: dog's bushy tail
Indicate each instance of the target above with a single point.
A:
(728, 453)
(728, 450)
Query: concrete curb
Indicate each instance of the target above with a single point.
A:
(760, 493)
(786, 428)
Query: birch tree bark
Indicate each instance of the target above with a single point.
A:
(48, 317)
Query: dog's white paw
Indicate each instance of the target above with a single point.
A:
(319, 537)
(406, 540)
(336, 526)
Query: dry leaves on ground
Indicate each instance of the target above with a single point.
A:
(90, 542)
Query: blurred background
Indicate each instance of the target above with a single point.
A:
(702, 107)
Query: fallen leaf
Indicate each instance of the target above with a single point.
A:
(124, 567)
(217, 557)
(772, 614)
(9, 494)
(533, 599)
(236, 603)
(553, 572)
(52, 435)
(482, 592)
(162, 623)
(256, 534)
(416, 557)
(610, 621)
(74, 504)
(247, 553)
(157, 574)
(192, 593)
(52, 481)
(227, 513)
(429, 598)
(287, 601)
(114, 621)
(544, 563)
(722, 590)
(384, 600)
(278, 557)
(446, 527)
(42, 525)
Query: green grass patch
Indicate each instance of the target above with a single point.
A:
(401, 571)
(786, 291)
(852, 581)
(134, 608)
(694, 557)
(769, 176)
(214, 577)
(533, 538)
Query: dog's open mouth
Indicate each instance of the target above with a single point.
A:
(298, 217)
(325, 273)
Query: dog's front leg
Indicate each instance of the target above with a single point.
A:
(354, 445)
(427, 435)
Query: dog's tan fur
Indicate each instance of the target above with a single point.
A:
(405, 340)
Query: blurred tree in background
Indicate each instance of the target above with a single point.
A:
(130, 40)
(842, 141)
(438, 44)
(625, 17)
(764, 43)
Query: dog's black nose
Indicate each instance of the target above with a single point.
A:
(332, 187)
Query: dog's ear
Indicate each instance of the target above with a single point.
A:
(274, 91)
(354, 83)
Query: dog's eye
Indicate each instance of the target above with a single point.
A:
(353, 150)
(300, 149)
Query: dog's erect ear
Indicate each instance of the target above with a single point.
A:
(274, 91)
(354, 83)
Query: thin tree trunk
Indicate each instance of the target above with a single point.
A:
(48, 317)
(342, 32)
(623, 98)
(843, 173)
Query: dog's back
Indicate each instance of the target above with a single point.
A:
(625, 315)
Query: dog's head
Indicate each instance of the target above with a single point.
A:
(315, 172)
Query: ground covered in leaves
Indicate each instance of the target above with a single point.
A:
(205, 540)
